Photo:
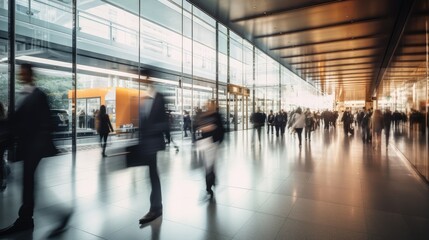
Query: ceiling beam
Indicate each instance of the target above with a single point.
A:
(285, 10)
(333, 59)
(340, 76)
(415, 32)
(412, 54)
(326, 26)
(414, 45)
(343, 78)
(348, 39)
(349, 83)
(335, 51)
(325, 76)
(409, 60)
(337, 65)
(399, 71)
(331, 71)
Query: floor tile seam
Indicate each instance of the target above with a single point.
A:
(53, 186)
(104, 204)
(195, 227)
(236, 207)
(261, 205)
(367, 223)
(329, 225)
(329, 202)
(330, 186)
(273, 214)
(292, 208)
(250, 219)
(87, 232)
(244, 224)
(324, 225)
(280, 229)
(326, 202)
(119, 227)
(401, 216)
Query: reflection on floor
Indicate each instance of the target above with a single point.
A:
(333, 187)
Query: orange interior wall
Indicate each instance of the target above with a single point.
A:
(126, 107)
(91, 93)
(126, 102)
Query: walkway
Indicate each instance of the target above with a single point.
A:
(331, 188)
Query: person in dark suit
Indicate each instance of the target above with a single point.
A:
(3, 147)
(270, 122)
(258, 121)
(186, 122)
(153, 125)
(32, 127)
(104, 128)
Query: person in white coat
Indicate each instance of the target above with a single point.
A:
(298, 123)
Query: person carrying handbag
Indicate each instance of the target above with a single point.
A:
(211, 133)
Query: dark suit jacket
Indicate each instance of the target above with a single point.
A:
(153, 126)
(33, 127)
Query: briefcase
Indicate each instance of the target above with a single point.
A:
(136, 156)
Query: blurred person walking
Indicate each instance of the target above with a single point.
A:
(387, 121)
(153, 125)
(298, 123)
(377, 126)
(4, 137)
(32, 126)
(278, 119)
(270, 122)
(309, 124)
(211, 133)
(186, 122)
(104, 128)
(258, 120)
(168, 137)
(366, 125)
(347, 120)
(82, 119)
(283, 122)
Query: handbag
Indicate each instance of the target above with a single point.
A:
(136, 156)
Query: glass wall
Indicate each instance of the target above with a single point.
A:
(405, 92)
(121, 45)
(43, 38)
(4, 52)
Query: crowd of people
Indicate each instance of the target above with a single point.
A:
(32, 129)
(371, 123)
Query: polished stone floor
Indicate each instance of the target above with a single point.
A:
(333, 187)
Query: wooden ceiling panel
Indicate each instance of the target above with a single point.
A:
(329, 47)
(324, 34)
(336, 43)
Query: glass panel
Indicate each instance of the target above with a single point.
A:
(47, 46)
(405, 91)
(236, 62)
(223, 57)
(4, 67)
(107, 70)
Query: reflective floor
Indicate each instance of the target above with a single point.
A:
(333, 187)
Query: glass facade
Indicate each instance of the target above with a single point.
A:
(119, 44)
(4, 55)
(405, 92)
